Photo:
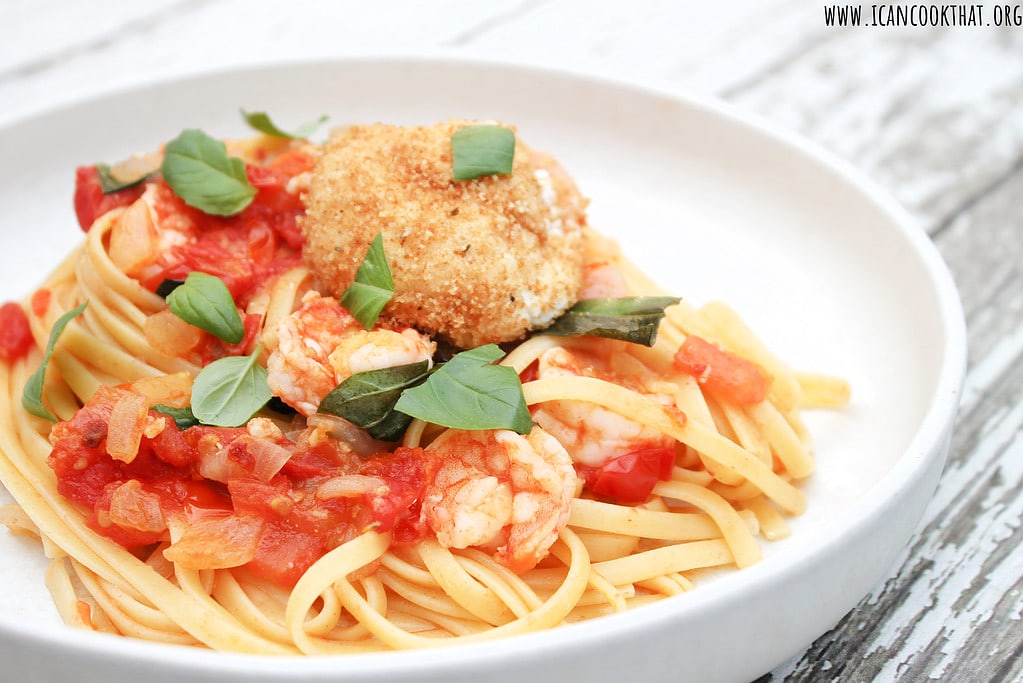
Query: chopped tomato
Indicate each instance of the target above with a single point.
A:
(15, 333)
(531, 372)
(41, 302)
(91, 203)
(274, 524)
(262, 244)
(274, 206)
(406, 471)
(221, 253)
(171, 447)
(630, 478)
(79, 456)
(292, 163)
(242, 250)
(301, 527)
(722, 373)
(284, 554)
(214, 347)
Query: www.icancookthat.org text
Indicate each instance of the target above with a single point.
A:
(923, 15)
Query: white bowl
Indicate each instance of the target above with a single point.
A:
(829, 270)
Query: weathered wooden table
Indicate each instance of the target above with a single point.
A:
(932, 113)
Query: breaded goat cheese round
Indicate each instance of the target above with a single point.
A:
(473, 261)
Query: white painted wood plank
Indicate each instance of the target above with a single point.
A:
(35, 32)
(929, 113)
(691, 46)
(201, 35)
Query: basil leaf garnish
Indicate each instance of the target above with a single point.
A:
(229, 391)
(373, 286)
(482, 150)
(367, 399)
(32, 394)
(183, 417)
(203, 300)
(468, 392)
(199, 171)
(633, 319)
(261, 121)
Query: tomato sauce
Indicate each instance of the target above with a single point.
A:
(294, 526)
(207, 490)
(244, 250)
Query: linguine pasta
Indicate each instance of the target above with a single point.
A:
(733, 480)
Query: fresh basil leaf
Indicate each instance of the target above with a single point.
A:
(481, 355)
(367, 399)
(168, 286)
(204, 301)
(183, 417)
(32, 394)
(201, 173)
(482, 150)
(633, 319)
(373, 286)
(229, 391)
(261, 121)
(468, 392)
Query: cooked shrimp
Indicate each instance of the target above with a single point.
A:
(592, 434)
(498, 489)
(321, 344)
(603, 280)
(362, 351)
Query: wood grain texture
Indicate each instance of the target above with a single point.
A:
(952, 609)
(951, 153)
(932, 115)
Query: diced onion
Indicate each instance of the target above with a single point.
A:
(343, 430)
(269, 458)
(173, 390)
(213, 459)
(171, 335)
(133, 239)
(350, 486)
(214, 541)
(134, 508)
(127, 422)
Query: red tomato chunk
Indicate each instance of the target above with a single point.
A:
(630, 478)
(723, 374)
(15, 333)
(91, 203)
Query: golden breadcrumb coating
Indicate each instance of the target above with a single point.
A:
(474, 261)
